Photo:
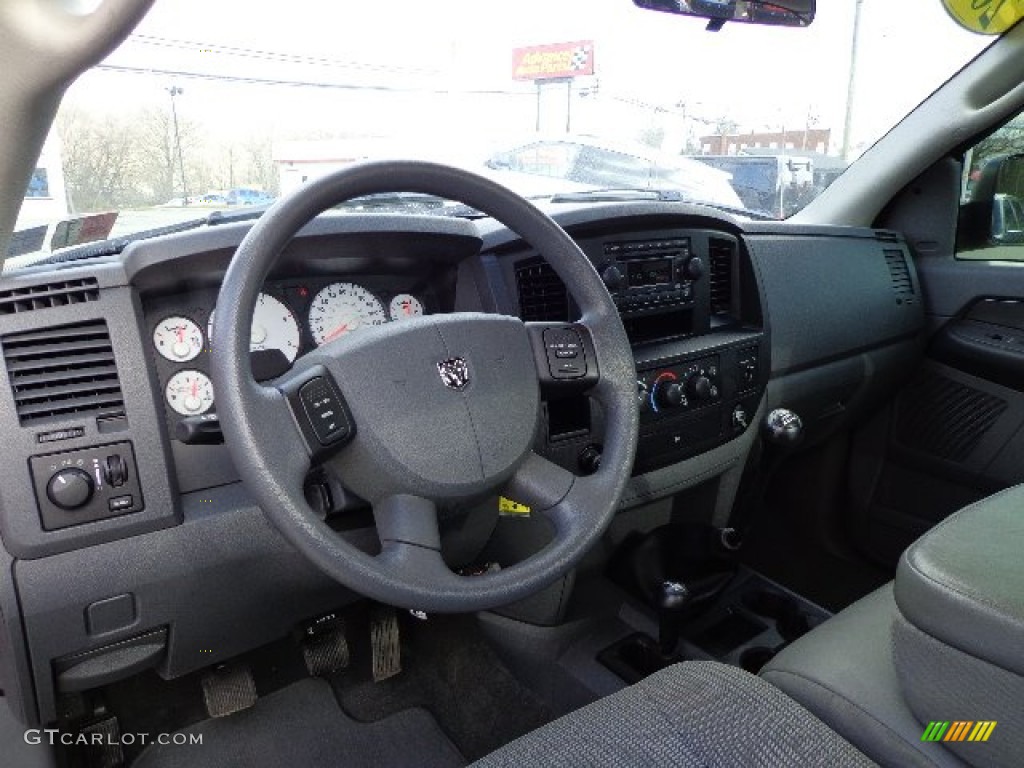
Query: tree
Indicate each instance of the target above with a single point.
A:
(101, 158)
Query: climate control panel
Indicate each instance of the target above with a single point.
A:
(82, 486)
(694, 402)
(685, 386)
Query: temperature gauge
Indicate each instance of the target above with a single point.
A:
(189, 393)
(403, 306)
(178, 339)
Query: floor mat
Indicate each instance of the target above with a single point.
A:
(303, 725)
(449, 669)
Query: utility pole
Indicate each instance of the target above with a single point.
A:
(850, 87)
(176, 91)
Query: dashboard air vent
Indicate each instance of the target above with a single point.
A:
(899, 272)
(720, 254)
(542, 294)
(62, 371)
(48, 295)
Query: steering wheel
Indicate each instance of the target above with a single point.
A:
(431, 411)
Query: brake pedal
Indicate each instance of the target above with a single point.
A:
(324, 646)
(228, 689)
(385, 643)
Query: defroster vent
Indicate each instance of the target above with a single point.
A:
(721, 254)
(63, 371)
(48, 295)
(899, 271)
(542, 294)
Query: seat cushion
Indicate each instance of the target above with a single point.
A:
(691, 714)
(963, 581)
(844, 672)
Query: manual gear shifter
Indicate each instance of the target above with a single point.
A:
(673, 597)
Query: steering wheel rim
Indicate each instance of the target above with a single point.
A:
(272, 446)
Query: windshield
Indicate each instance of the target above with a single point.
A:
(220, 106)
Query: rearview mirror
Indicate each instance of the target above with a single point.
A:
(781, 13)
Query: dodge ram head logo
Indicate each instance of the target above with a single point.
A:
(454, 372)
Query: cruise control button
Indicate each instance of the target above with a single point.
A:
(324, 410)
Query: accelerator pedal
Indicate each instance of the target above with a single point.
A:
(324, 646)
(385, 644)
(227, 689)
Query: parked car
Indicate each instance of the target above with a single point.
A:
(247, 196)
(604, 164)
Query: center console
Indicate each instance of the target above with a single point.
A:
(691, 309)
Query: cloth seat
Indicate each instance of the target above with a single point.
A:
(690, 714)
(844, 671)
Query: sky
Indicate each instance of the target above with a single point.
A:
(430, 62)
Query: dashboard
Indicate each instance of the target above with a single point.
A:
(122, 517)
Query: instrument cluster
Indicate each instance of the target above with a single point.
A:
(290, 318)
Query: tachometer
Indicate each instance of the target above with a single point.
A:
(189, 393)
(178, 339)
(342, 308)
(404, 306)
(273, 327)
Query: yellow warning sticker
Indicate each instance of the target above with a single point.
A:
(509, 507)
(986, 17)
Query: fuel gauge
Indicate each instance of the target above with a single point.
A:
(404, 306)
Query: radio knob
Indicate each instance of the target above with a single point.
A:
(695, 268)
(613, 277)
(670, 395)
(699, 387)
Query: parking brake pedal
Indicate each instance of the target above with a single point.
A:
(385, 643)
(324, 646)
(228, 689)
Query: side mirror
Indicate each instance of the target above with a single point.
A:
(779, 13)
(993, 213)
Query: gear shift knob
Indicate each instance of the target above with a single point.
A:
(673, 597)
(783, 428)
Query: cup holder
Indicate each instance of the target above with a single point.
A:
(790, 621)
(753, 659)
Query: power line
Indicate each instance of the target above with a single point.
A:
(293, 58)
(248, 80)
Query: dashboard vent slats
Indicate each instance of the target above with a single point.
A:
(542, 294)
(899, 271)
(720, 254)
(62, 372)
(48, 295)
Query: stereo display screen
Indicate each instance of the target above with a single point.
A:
(649, 272)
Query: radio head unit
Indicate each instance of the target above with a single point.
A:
(648, 276)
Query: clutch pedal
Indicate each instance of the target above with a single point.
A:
(385, 643)
(228, 689)
(324, 646)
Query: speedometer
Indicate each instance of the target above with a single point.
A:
(342, 308)
(273, 327)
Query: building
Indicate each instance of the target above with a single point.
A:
(798, 140)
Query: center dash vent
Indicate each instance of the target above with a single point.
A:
(721, 254)
(899, 271)
(48, 295)
(63, 371)
(542, 294)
